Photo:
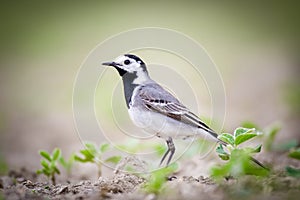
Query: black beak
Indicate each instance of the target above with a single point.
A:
(114, 64)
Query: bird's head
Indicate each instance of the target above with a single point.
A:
(128, 63)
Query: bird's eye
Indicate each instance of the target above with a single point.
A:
(127, 62)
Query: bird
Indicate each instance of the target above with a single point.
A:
(156, 110)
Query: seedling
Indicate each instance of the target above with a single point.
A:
(269, 136)
(158, 179)
(291, 171)
(67, 163)
(93, 154)
(238, 158)
(295, 153)
(49, 164)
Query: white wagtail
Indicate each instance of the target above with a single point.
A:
(156, 110)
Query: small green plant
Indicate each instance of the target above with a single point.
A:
(249, 124)
(94, 154)
(67, 163)
(269, 136)
(291, 171)
(239, 158)
(158, 179)
(49, 164)
(295, 153)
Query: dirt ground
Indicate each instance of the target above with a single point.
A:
(26, 184)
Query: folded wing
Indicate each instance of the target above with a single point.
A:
(166, 104)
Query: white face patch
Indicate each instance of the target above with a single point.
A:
(128, 64)
(133, 66)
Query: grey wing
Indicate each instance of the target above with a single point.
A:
(155, 98)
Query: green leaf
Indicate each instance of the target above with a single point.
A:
(244, 137)
(257, 149)
(104, 147)
(226, 137)
(252, 150)
(160, 149)
(90, 152)
(221, 153)
(219, 172)
(220, 150)
(79, 159)
(53, 164)
(67, 164)
(46, 172)
(91, 147)
(293, 172)
(56, 170)
(270, 134)
(113, 159)
(56, 153)
(43, 171)
(238, 165)
(46, 155)
(158, 178)
(295, 153)
(87, 154)
(242, 131)
(63, 162)
(224, 156)
(45, 164)
(172, 168)
(250, 125)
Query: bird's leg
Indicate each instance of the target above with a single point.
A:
(171, 150)
(163, 158)
(171, 147)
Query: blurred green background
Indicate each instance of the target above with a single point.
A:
(254, 44)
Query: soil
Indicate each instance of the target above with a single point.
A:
(25, 184)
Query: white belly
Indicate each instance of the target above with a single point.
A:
(163, 126)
